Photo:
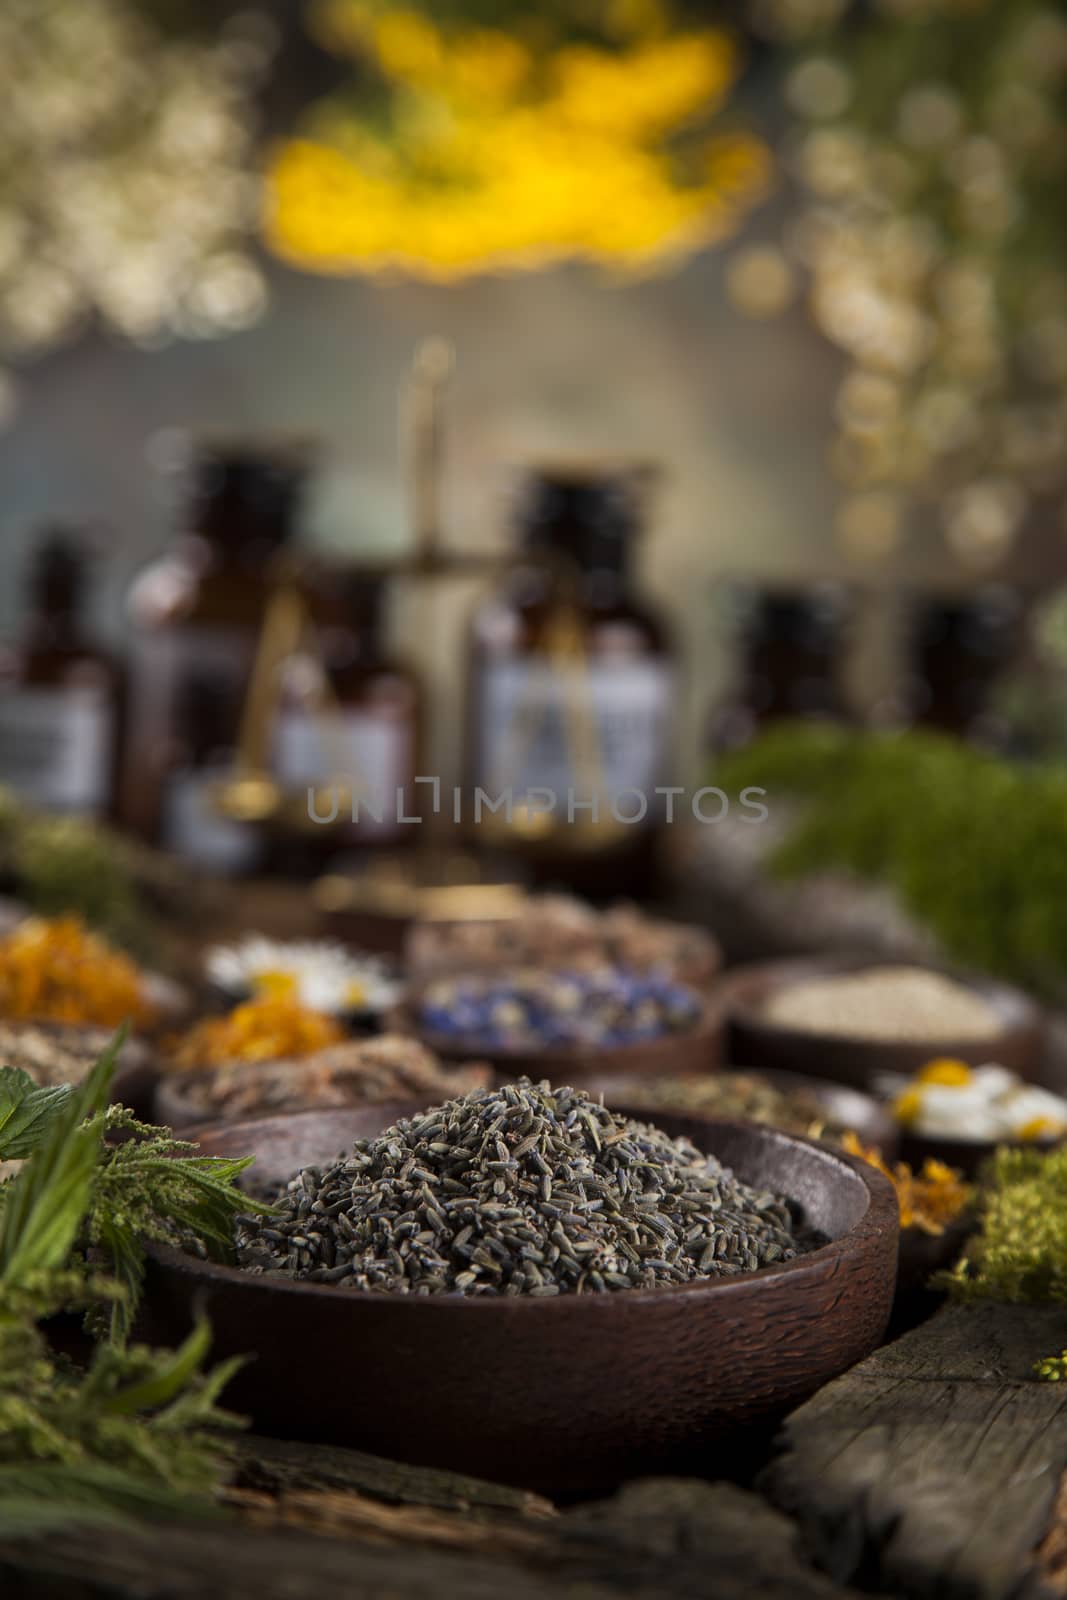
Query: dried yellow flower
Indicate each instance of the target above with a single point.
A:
(266, 1028)
(930, 1200)
(57, 971)
(945, 1070)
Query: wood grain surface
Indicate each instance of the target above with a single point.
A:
(931, 1468)
(934, 1468)
(656, 1539)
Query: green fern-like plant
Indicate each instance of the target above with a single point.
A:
(137, 1432)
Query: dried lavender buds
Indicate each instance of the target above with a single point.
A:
(522, 1190)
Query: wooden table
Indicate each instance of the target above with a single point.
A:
(935, 1469)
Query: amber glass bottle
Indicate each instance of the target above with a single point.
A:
(790, 643)
(347, 726)
(196, 615)
(959, 647)
(573, 691)
(60, 693)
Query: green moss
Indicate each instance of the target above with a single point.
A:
(1019, 1253)
(974, 847)
(63, 864)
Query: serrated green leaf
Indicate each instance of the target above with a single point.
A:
(26, 1112)
(46, 1202)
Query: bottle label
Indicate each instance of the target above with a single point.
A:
(55, 747)
(364, 756)
(188, 689)
(598, 729)
(195, 829)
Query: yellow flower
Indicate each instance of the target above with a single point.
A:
(1041, 1128)
(275, 985)
(907, 1107)
(408, 46)
(648, 89)
(493, 159)
(265, 1028)
(487, 64)
(945, 1070)
(930, 1200)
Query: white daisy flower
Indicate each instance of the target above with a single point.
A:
(321, 975)
(986, 1103)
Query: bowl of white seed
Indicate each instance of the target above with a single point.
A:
(856, 1019)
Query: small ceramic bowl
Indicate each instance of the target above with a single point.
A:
(760, 1043)
(695, 1049)
(564, 1395)
(872, 1122)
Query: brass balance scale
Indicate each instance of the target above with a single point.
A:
(437, 881)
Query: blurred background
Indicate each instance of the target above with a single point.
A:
(771, 297)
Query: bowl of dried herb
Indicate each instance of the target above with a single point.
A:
(565, 1025)
(527, 1286)
(813, 1107)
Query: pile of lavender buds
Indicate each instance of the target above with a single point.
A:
(532, 1009)
(519, 1190)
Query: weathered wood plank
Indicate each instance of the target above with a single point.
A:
(1049, 1577)
(931, 1468)
(657, 1540)
(278, 1466)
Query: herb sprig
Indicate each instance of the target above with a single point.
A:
(137, 1431)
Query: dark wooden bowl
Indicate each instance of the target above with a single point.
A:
(565, 1395)
(867, 1117)
(754, 1041)
(697, 1049)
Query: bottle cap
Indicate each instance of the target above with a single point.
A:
(58, 568)
(586, 509)
(246, 490)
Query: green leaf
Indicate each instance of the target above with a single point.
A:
(169, 1378)
(26, 1111)
(48, 1199)
(137, 1435)
(46, 1493)
(126, 1266)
